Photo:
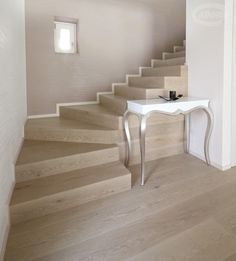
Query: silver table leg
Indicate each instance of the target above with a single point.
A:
(128, 137)
(186, 132)
(210, 123)
(142, 134)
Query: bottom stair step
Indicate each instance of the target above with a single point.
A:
(40, 197)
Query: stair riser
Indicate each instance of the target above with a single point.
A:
(118, 105)
(170, 62)
(69, 199)
(155, 153)
(147, 82)
(179, 48)
(138, 93)
(133, 119)
(162, 71)
(160, 142)
(157, 125)
(179, 85)
(99, 119)
(169, 83)
(173, 55)
(83, 136)
(157, 142)
(69, 163)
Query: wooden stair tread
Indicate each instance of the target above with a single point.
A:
(95, 108)
(96, 113)
(176, 58)
(36, 151)
(173, 55)
(155, 77)
(155, 82)
(178, 48)
(145, 88)
(170, 71)
(168, 62)
(61, 123)
(116, 97)
(43, 187)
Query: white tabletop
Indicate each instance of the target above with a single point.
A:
(183, 105)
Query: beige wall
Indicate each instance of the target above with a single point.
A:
(12, 100)
(115, 38)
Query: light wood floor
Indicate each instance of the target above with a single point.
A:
(186, 212)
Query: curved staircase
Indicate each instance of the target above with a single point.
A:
(77, 157)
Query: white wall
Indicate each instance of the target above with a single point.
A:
(234, 90)
(12, 100)
(208, 58)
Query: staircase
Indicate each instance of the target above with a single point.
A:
(77, 157)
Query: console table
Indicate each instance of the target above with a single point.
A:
(143, 109)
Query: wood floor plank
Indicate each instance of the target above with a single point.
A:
(115, 221)
(231, 258)
(207, 241)
(180, 193)
(160, 173)
(133, 239)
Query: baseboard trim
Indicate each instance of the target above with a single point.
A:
(4, 245)
(214, 164)
(58, 105)
(31, 117)
(8, 225)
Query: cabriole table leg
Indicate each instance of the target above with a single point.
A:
(210, 123)
(128, 137)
